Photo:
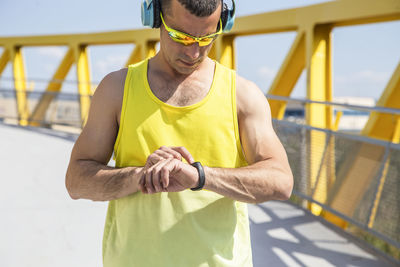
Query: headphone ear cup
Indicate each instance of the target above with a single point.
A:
(228, 17)
(151, 13)
(157, 10)
(147, 13)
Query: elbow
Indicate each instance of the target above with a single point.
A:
(69, 184)
(73, 196)
(286, 188)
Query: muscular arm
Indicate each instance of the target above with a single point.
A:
(88, 175)
(268, 175)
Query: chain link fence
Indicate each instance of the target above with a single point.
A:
(354, 177)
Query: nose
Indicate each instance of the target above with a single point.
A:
(192, 51)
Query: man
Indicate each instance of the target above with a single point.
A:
(160, 116)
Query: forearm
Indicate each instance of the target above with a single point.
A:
(256, 183)
(88, 179)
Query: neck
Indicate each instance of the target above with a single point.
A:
(159, 64)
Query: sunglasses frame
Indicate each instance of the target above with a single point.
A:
(193, 38)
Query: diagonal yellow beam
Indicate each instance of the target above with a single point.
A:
(53, 87)
(362, 164)
(5, 57)
(20, 85)
(381, 125)
(375, 206)
(288, 75)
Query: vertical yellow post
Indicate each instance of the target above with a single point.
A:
(149, 49)
(135, 56)
(83, 73)
(224, 52)
(228, 57)
(318, 45)
(20, 86)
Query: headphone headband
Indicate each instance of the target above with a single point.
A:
(151, 14)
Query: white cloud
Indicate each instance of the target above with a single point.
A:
(52, 51)
(266, 72)
(363, 76)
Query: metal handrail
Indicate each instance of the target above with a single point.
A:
(360, 138)
(348, 106)
(12, 91)
(11, 79)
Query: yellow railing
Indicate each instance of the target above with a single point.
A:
(310, 51)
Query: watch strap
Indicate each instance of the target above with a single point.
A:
(202, 177)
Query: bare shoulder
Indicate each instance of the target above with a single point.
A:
(110, 91)
(249, 97)
(98, 136)
(112, 85)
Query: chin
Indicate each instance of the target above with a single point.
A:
(185, 70)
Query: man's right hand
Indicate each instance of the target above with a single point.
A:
(162, 154)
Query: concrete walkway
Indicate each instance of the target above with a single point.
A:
(42, 226)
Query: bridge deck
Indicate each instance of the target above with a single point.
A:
(42, 226)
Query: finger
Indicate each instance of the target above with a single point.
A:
(156, 178)
(171, 167)
(141, 183)
(154, 158)
(149, 183)
(172, 152)
(142, 180)
(163, 154)
(164, 174)
(184, 152)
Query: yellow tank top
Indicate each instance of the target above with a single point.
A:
(187, 228)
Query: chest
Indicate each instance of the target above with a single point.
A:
(181, 93)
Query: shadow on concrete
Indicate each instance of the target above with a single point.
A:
(285, 235)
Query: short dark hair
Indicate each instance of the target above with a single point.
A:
(199, 8)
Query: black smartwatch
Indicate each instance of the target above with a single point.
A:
(202, 177)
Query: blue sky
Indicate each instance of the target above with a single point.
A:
(364, 57)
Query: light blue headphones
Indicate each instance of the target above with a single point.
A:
(151, 14)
